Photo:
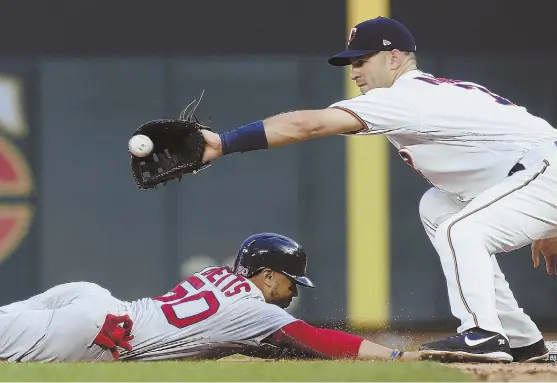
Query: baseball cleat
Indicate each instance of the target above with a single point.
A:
(536, 352)
(474, 345)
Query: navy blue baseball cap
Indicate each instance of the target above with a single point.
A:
(372, 36)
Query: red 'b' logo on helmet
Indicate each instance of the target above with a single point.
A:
(352, 35)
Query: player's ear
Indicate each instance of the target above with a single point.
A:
(268, 276)
(396, 59)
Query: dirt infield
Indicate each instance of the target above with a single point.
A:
(513, 372)
(496, 372)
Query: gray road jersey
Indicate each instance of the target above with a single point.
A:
(212, 314)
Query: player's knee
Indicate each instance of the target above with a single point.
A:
(455, 233)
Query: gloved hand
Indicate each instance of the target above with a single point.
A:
(178, 149)
(112, 335)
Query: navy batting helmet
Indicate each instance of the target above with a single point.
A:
(273, 251)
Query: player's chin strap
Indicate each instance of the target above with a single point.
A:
(396, 354)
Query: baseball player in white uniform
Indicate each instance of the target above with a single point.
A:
(492, 167)
(217, 312)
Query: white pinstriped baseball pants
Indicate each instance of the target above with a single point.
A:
(501, 219)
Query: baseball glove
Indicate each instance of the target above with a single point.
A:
(178, 147)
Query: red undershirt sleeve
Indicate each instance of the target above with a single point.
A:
(317, 341)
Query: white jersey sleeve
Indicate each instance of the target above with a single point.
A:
(254, 319)
(380, 111)
(212, 314)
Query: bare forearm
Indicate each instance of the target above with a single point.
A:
(283, 129)
(374, 351)
(291, 127)
(297, 126)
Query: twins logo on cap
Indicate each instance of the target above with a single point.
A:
(352, 35)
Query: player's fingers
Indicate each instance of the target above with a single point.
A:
(535, 255)
(553, 263)
(536, 260)
(549, 264)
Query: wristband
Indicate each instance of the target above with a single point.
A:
(244, 139)
(396, 354)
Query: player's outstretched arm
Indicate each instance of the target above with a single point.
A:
(283, 129)
(269, 351)
(373, 351)
(332, 344)
(292, 127)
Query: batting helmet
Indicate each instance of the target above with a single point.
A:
(273, 251)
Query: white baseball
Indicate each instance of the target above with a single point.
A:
(140, 145)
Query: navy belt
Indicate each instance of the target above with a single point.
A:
(516, 168)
